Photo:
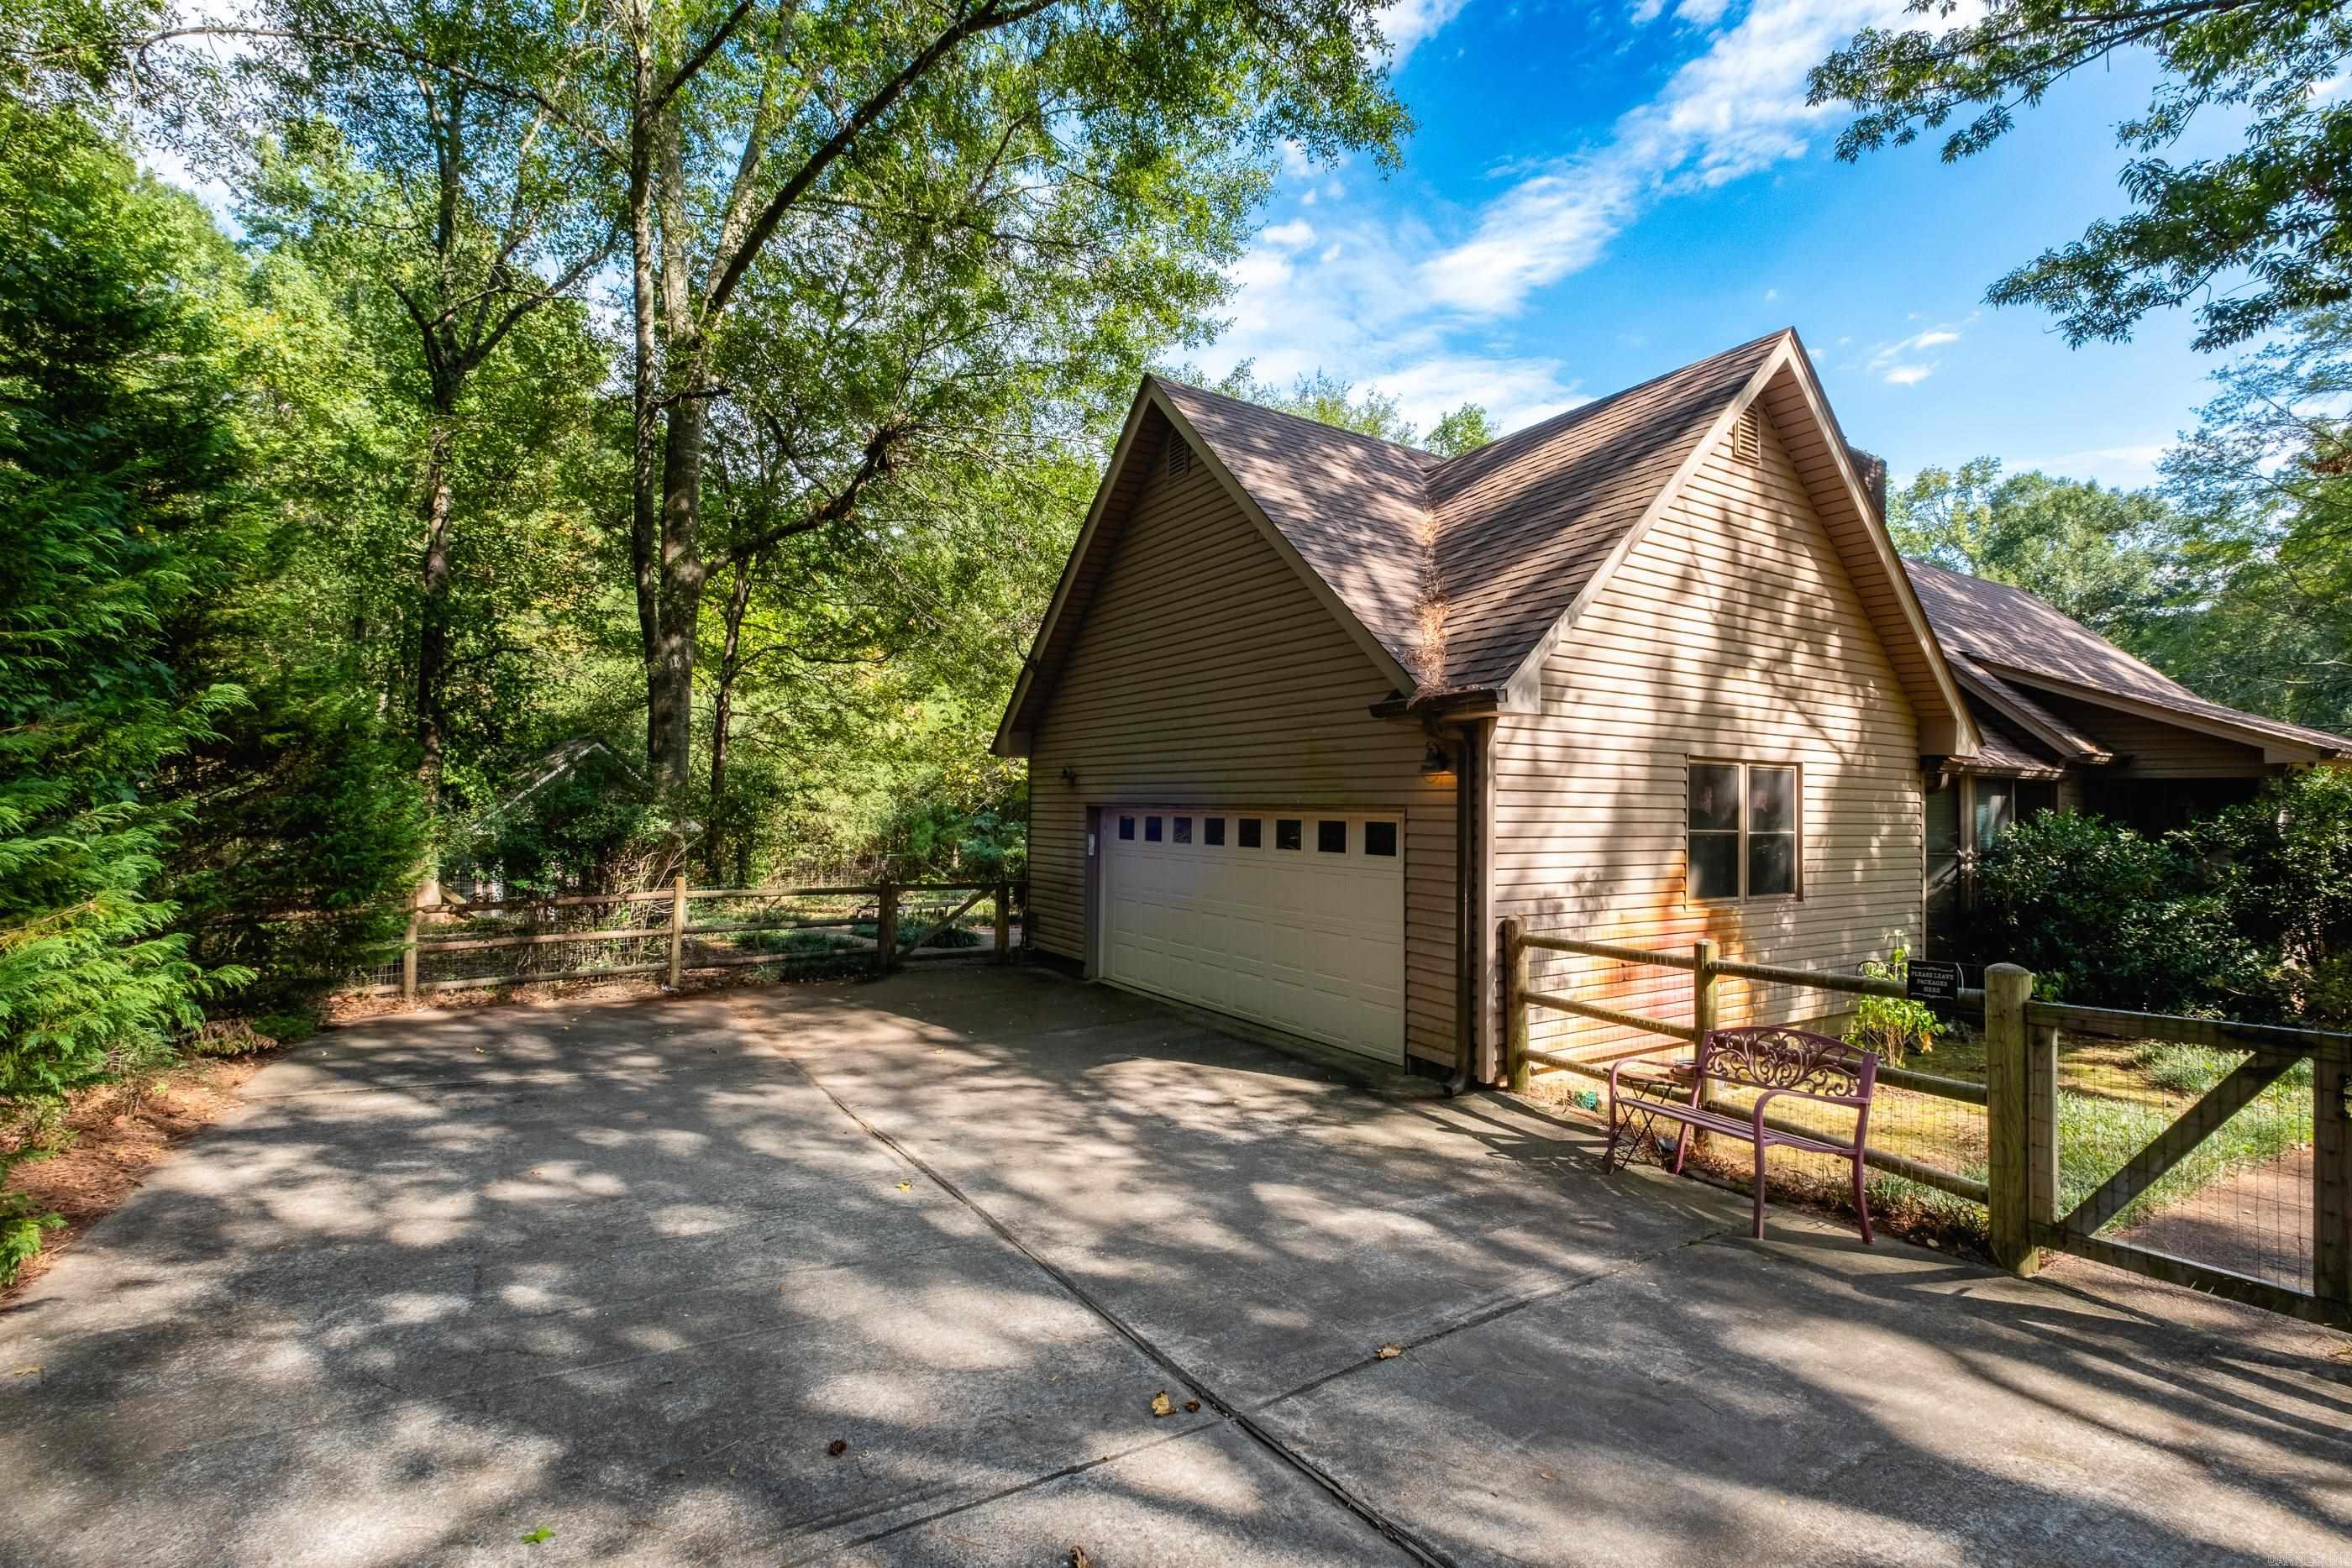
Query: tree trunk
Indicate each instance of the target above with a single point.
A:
(433, 611)
(722, 715)
(670, 694)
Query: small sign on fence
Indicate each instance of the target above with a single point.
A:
(1932, 980)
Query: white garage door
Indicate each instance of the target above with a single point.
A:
(1293, 918)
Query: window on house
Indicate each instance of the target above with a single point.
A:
(1380, 838)
(1330, 838)
(1183, 829)
(1212, 832)
(1288, 833)
(1150, 829)
(1744, 832)
(1251, 828)
(1127, 827)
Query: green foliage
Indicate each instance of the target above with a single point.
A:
(2106, 557)
(2267, 219)
(2247, 913)
(2104, 916)
(118, 514)
(1892, 1027)
(1331, 400)
(2266, 480)
(2098, 1133)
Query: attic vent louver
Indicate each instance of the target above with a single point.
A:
(1179, 455)
(1747, 440)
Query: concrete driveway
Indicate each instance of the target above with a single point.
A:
(624, 1273)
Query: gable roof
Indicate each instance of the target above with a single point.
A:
(2018, 644)
(1458, 575)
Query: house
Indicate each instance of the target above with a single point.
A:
(1309, 712)
(2068, 719)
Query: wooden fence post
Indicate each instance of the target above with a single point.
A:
(1003, 922)
(1704, 1016)
(885, 928)
(1516, 1072)
(2010, 1116)
(676, 930)
(2331, 1178)
(2041, 1129)
(408, 951)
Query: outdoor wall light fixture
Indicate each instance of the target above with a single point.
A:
(1070, 777)
(1435, 764)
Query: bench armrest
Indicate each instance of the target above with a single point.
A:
(1858, 1103)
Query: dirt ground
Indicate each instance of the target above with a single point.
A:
(116, 1135)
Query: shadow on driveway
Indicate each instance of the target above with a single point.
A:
(625, 1272)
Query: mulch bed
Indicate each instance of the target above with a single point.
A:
(117, 1133)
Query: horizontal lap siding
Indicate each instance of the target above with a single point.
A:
(1205, 673)
(1731, 631)
(2151, 748)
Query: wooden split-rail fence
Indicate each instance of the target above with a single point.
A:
(2021, 1191)
(891, 944)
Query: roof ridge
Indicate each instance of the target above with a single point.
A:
(1584, 411)
(1423, 455)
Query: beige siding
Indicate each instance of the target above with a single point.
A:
(2150, 748)
(1732, 633)
(1205, 673)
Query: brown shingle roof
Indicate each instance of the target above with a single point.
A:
(1524, 522)
(1352, 507)
(1503, 537)
(2017, 634)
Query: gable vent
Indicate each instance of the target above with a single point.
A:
(1179, 455)
(1746, 439)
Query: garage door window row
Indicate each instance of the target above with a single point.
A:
(1332, 835)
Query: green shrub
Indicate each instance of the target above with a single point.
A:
(2104, 916)
(1890, 1026)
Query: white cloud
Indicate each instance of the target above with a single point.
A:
(2126, 468)
(1514, 392)
(1736, 109)
(1701, 13)
(1405, 23)
(1770, 294)
(1646, 12)
(1292, 236)
(1899, 364)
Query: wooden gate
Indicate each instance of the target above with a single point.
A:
(2021, 1072)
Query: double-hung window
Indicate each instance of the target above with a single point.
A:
(1745, 831)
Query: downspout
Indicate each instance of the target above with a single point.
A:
(1469, 900)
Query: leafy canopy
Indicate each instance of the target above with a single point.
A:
(2272, 210)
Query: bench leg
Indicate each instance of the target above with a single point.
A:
(1758, 1229)
(1861, 1203)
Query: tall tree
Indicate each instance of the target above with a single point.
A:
(400, 153)
(2269, 218)
(2268, 476)
(1102, 128)
(2108, 558)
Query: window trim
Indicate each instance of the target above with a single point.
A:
(1796, 893)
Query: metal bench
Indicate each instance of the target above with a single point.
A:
(1781, 1063)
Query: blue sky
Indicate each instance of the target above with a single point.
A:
(1599, 192)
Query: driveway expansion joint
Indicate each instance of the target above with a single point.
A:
(1404, 1538)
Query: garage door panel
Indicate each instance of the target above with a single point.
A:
(1306, 938)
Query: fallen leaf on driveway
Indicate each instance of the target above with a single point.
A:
(1078, 1557)
(1161, 1405)
(1390, 1352)
(536, 1536)
(23, 1371)
(838, 1447)
(906, 1186)
(1191, 1407)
